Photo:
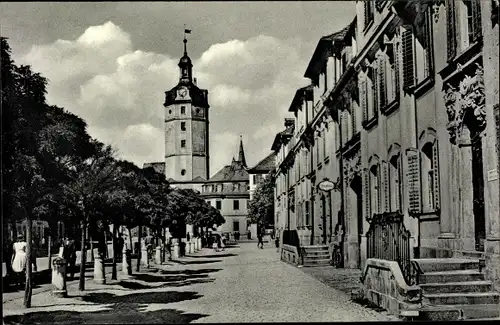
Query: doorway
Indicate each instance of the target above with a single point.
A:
(478, 192)
(357, 208)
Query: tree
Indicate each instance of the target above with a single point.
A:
(261, 207)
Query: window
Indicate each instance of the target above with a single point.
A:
(395, 183)
(183, 143)
(183, 126)
(430, 177)
(344, 61)
(408, 58)
(382, 84)
(374, 190)
(218, 205)
(473, 17)
(393, 73)
(379, 4)
(236, 226)
(169, 111)
(254, 179)
(368, 13)
(183, 172)
(183, 109)
(368, 94)
(236, 204)
(306, 212)
(451, 29)
(324, 145)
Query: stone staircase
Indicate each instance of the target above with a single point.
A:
(316, 255)
(453, 289)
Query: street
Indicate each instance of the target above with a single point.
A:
(241, 284)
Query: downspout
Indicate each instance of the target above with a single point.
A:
(341, 178)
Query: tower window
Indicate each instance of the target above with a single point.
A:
(183, 126)
(183, 143)
(183, 109)
(218, 205)
(169, 111)
(183, 172)
(236, 204)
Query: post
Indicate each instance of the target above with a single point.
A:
(158, 255)
(126, 262)
(175, 248)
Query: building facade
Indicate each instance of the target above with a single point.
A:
(228, 191)
(403, 117)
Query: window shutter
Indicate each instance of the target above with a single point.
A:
(353, 118)
(375, 90)
(366, 194)
(366, 13)
(387, 194)
(362, 99)
(435, 164)
(408, 63)
(413, 175)
(397, 69)
(399, 196)
(381, 80)
(379, 188)
(451, 29)
(344, 127)
(476, 19)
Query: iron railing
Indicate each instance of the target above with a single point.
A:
(388, 239)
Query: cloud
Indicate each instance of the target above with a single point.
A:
(119, 90)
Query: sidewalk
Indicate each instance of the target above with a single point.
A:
(137, 299)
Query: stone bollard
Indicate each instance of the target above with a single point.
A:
(195, 243)
(144, 257)
(59, 277)
(188, 247)
(158, 255)
(199, 243)
(193, 247)
(126, 262)
(99, 276)
(175, 250)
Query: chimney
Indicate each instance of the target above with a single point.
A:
(195, 81)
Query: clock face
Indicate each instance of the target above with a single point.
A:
(183, 92)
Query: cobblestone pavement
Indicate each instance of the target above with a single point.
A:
(241, 284)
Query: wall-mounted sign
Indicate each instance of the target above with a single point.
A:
(492, 175)
(326, 185)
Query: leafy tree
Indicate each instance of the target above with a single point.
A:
(261, 207)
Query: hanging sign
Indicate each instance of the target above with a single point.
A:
(326, 185)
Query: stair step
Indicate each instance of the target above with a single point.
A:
(480, 311)
(317, 253)
(451, 276)
(447, 264)
(317, 262)
(450, 287)
(440, 313)
(462, 298)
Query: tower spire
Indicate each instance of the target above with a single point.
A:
(241, 153)
(186, 72)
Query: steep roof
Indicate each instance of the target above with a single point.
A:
(322, 51)
(235, 172)
(265, 165)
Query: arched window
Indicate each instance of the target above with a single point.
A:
(375, 189)
(395, 183)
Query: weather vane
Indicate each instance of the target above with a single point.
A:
(186, 31)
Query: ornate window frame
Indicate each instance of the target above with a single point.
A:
(394, 152)
(430, 188)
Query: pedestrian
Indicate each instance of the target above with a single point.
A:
(223, 243)
(19, 260)
(188, 237)
(215, 245)
(69, 254)
(277, 242)
(148, 242)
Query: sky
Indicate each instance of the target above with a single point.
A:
(111, 62)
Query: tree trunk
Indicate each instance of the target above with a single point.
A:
(139, 237)
(29, 258)
(131, 247)
(113, 270)
(106, 251)
(92, 257)
(83, 257)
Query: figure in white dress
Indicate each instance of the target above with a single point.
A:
(19, 258)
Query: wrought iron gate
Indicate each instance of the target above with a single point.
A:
(388, 239)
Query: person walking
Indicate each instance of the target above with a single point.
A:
(277, 242)
(19, 260)
(69, 255)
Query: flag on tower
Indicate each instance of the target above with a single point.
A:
(187, 31)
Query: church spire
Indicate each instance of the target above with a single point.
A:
(185, 65)
(241, 154)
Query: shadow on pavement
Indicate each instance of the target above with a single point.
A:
(166, 278)
(196, 262)
(199, 271)
(162, 316)
(214, 255)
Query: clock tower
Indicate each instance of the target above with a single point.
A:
(186, 129)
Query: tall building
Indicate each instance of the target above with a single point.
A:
(187, 159)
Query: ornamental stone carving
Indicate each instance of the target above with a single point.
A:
(466, 105)
(352, 167)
